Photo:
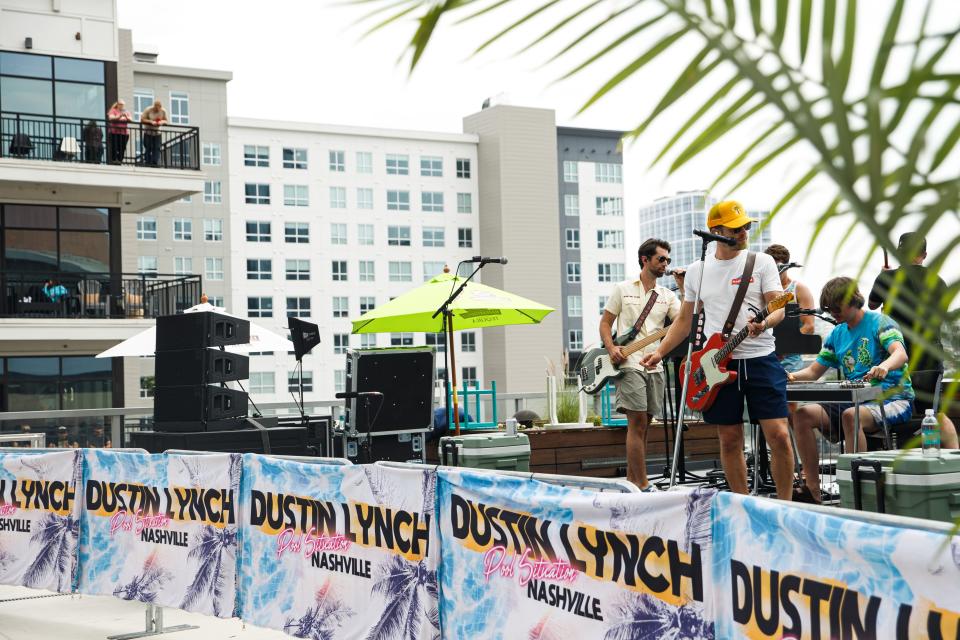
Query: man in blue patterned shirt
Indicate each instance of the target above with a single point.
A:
(867, 346)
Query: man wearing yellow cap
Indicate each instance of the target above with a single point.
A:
(761, 382)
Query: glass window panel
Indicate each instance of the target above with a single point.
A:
(79, 100)
(89, 252)
(33, 217)
(31, 250)
(25, 64)
(80, 70)
(28, 96)
(27, 368)
(83, 218)
(33, 396)
(87, 394)
(86, 366)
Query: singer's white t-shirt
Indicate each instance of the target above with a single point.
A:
(719, 289)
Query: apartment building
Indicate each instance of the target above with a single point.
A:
(330, 221)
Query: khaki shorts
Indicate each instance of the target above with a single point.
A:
(640, 391)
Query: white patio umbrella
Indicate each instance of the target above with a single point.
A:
(145, 342)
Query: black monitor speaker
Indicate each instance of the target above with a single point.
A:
(405, 377)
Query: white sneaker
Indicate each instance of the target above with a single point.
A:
(650, 488)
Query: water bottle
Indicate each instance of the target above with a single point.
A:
(512, 429)
(930, 435)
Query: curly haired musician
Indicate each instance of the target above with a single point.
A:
(640, 392)
(761, 381)
(868, 346)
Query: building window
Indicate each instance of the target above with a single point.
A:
(570, 171)
(465, 238)
(142, 100)
(211, 192)
(575, 339)
(367, 303)
(401, 339)
(436, 340)
(186, 199)
(298, 307)
(256, 156)
(337, 162)
(364, 198)
(573, 272)
(338, 197)
(182, 229)
(261, 382)
(609, 272)
(398, 200)
(431, 201)
(338, 270)
(573, 238)
(296, 195)
(259, 308)
(147, 265)
(609, 239)
(179, 108)
(259, 269)
(468, 341)
(211, 154)
(341, 342)
(212, 230)
(146, 228)
(258, 231)
(431, 166)
(296, 232)
(433, 236)
(398, 236)
(609, 206)
(368, 341)
(182, 266)
(213, 268)
(294, 158)
(463, 167)
(401, 271)
(339, 380)
(609, 172)
(398, 165)
(464, 203)
(295, 377)
(469, 377)
(571, 204)
(366, 271)
(341, 306)
(365, 234)
(432, 270)
(298, 269)
(255, 193)
(574, 306)
(338, 233)
(603, 303)
(147, 385)
(364, 162)
(216, 301)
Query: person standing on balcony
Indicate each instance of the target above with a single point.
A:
(117, 134)
(152, 119)
(92, 143)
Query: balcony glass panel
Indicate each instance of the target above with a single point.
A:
(24, 64)
(20, 95)
(30, 250)
(79, 70)
(32, 368)
(86, 367)
(83, 219)
(33, 396)
(79, 100)
(87, 394)
(85, 252)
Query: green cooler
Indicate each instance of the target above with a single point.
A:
(910, 484)
(498, 451)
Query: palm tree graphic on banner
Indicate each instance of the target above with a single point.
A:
(321, 620)
(144, 586)
(407, 587)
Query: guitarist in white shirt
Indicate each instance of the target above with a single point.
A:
(639, 391)
(761, 380)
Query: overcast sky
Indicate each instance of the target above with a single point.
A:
(305, 60)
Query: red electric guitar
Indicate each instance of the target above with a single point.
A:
(709, 364)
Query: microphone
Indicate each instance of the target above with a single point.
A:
(347, 395)
(706, 235)
(675, 272)
(783, 267)
(482, 260)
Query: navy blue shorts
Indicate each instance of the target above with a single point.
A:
(762, 382)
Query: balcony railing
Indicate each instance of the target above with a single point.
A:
(96, 295)
(38, 137)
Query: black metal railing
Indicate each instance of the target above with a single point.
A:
(37, 137)
(96, 295)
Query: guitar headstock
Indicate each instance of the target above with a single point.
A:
(779, 302)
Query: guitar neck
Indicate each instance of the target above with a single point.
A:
(740, 336)
(643, 342)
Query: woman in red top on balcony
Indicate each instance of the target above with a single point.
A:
(117, 136)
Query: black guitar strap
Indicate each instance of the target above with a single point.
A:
(741, 294)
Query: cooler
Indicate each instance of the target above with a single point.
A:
(911, 484)
(498, 451)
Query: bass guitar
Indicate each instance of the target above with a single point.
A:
(708, 365)
(597, 369)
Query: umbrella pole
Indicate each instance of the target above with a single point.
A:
(453, 374)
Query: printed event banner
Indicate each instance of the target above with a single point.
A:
(40, 519)
(161, 529)
(339, 551)
(525, 559)
(784, 572)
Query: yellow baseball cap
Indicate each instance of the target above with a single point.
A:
(728, 213)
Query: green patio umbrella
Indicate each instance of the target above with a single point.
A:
(477, 306)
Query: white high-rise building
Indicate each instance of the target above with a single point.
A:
(330, 221)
